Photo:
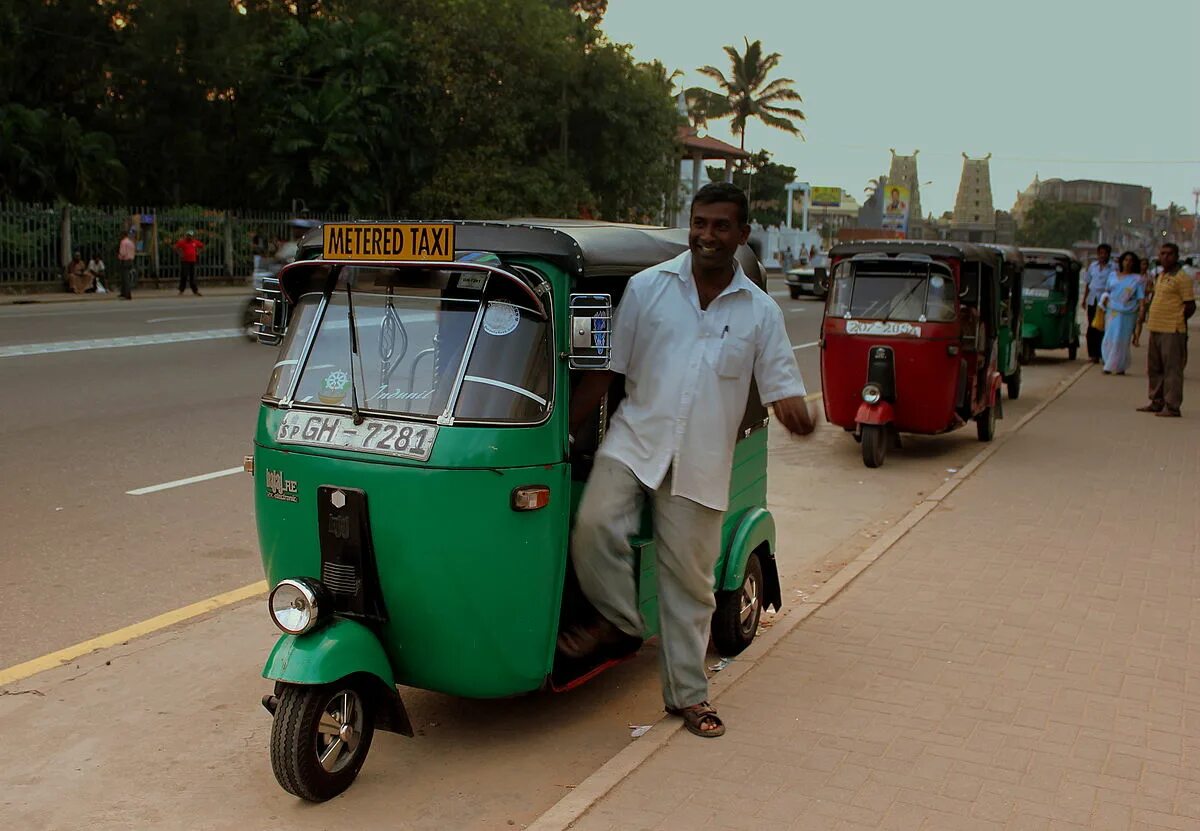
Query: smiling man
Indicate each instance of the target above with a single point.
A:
(689, 335)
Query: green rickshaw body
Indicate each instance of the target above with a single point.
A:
(472, 589)
(1050, 295)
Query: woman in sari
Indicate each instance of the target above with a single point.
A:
(1122, 302)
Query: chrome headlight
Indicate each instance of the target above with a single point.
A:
(871, 393)
(296, 605)
(1052, 309)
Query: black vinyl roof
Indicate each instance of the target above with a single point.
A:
(1047, 254)
(931, 248)
(583, 247)
(1011, 253)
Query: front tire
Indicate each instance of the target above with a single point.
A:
(1026, 356)
(735, 622)
(874, 445)
(1014, 385)
(794, 292)
(985, 424)
(320, 738)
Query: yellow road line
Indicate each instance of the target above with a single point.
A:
(19, 672)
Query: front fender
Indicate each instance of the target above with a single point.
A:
(327, 654)
(756, 531)
(879, 413)
(1030, 332)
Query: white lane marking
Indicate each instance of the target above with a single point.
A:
(178, 483)
(781, 294)
(793, 311)
(21, 311)
(805, 345)
(185, 317)
(112, 343)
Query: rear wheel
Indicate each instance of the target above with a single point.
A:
(874, 444)
(1014, 385)
(320, 738)
(985, 424)
(735, 622)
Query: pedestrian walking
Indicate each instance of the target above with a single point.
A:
(1122, 303)
(189, 252)
(126, 251)
(1099, 273)
(1174, 303)
(689, 335)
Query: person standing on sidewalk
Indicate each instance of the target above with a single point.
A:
(126, 251)
(1174, 303)
(1121, 301)
(688, 336)
(1099, 273)
(189, 252)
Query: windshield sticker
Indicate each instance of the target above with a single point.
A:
(882, 327)
(472, 282)
(501, 319)
(384, 394)
(333, 389)
(937, 281)
(281, 488)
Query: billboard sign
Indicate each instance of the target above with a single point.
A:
(825, 197)
(895, 208)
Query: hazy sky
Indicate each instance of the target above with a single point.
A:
(1078, 89)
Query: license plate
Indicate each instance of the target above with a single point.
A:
(402, 439)
(373, 242)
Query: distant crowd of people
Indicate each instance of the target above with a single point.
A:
(1124, 298)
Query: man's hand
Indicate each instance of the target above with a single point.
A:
(794, 414)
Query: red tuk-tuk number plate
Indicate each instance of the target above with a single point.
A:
(402, 439)
(882, 327)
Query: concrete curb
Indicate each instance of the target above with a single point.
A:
(563, 814)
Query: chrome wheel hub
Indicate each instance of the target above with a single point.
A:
(339, 731)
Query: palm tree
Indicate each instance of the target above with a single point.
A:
(747, 93)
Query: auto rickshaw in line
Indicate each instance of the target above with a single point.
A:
(415, 484)
(1050, 297)
(909, 341)
(1008, 356)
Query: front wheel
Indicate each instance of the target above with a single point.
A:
(794, 292)
(1014, 385)
(735, 622)
(874, 444)
(985, 424)
(1026, 356)
(320, 738)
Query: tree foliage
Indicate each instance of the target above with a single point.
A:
(1056, 224)
(763, 180)
(479, 108)
(747, 93)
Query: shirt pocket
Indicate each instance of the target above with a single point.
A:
(735, 358)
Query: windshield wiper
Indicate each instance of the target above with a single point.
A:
(355, 415)
(907, 294)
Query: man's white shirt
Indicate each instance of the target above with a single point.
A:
(687, 377)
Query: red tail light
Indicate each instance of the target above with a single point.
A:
(530, 497)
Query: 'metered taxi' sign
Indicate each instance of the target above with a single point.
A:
(433, 243)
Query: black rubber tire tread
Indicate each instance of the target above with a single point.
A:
(293, 742)
(1072, 352)
(985, 424)
(794, 292)
(727, 634)
(1014, 385)
(874, 445)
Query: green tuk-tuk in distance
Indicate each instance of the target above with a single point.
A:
(1051, 296)
(1008, 356)
(415, 485)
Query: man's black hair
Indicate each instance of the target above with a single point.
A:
(1174, 248)
(1104, 246)
(715, 192)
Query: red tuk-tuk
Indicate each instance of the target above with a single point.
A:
(909, 341)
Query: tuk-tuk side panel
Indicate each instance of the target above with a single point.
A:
(472, 588)
(926, 376)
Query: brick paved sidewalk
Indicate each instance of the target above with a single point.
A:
(1023, 659)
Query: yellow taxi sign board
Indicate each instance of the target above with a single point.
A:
(423, 242)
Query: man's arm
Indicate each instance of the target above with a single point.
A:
(586, 397)
(778, 377)
(1189, 309)
(795, 414)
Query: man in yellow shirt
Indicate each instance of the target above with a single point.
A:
(1174, 302)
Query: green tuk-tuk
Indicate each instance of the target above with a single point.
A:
(1008, 357)
(415, 484)
(1050, 293)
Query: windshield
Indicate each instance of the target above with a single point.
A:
(1039, 278)
(410, 353)
(892, 291)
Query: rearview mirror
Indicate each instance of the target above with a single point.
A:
(270, 312)
(591, 328)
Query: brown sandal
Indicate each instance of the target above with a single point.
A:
(695, 716)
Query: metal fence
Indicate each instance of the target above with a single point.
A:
(37, 241)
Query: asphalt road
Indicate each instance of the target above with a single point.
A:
(81, 428)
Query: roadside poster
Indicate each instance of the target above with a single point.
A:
(825, 197)
(895, 208)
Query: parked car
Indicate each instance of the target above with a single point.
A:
(809, 276)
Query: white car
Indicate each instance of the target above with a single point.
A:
(809, 276)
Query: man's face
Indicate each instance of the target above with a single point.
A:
(1102, 255)
(715, 234)
(1167, 258)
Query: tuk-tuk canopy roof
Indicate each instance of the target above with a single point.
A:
(1011, 253)
(957, 250)
(584, 248)
(1048, 254)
